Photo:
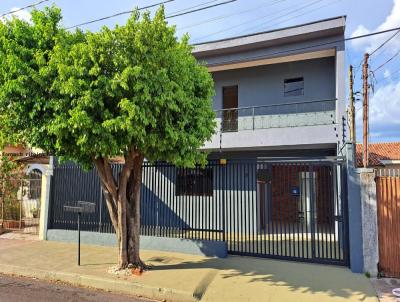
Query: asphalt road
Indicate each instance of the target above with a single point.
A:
(17, 289)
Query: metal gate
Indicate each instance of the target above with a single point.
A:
(297, 210)
(288, 209)
(20, 203)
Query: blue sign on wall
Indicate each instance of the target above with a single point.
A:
(295, 191)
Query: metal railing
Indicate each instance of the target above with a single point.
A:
(296, 114)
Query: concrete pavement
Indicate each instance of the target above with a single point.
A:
(180, 277)
(17, 289)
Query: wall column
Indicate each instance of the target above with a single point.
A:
(354, 213)
(45, 200)
(369, 221)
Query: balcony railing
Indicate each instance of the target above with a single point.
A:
(308, 113)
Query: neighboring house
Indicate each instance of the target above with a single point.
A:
(381, 155)
(30, 186)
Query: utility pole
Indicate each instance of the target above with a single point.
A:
(365, 111)
(351, 112)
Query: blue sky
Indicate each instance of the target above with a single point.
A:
(247, 16)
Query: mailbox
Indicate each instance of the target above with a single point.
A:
(80, 207)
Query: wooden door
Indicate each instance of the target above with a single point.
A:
(230, 105)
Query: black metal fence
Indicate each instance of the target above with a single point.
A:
(288, 209)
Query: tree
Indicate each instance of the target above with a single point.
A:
(133, 91)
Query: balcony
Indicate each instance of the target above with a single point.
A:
(288, 124)
(300, 114)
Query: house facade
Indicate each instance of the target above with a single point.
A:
(274, 185)
(278, 93)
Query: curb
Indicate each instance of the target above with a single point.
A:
(120, 286)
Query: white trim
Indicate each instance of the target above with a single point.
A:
(390, 161)
(284, 59)
(42, 168)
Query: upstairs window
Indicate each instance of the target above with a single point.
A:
(294, 86)
(194, 182)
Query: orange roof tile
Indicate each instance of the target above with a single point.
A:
(378, 152)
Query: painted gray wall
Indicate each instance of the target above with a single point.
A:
(263, 85)
(177, 245)
(354, 214)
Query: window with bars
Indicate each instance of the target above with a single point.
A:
(35, 184)
(194, 182)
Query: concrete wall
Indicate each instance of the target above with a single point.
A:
(177, 245)
(369, 220)
(363, 224)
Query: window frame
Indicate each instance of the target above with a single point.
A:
(194, 182)
(291, 92)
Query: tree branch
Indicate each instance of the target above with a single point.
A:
(106, 177)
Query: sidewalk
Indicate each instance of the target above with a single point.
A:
(178, 277)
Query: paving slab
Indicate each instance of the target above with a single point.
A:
(384, 287)
(181, 277)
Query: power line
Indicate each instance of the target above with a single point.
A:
(387, 61)
(306, 47)
(385, 42)
(119, 14)
(228, 15)
(177, 14)
(240, 24)
(283, 15)
(199, 9)
(302, 14)
(23, 8)
(193, 7)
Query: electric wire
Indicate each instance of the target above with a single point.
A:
(23, 8)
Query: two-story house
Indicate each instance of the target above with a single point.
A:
(273, 186)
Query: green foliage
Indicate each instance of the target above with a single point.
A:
(25, 50)
(85, 95)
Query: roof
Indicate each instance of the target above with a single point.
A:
(313, 30)
(379, 152)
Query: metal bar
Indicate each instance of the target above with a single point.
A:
(276, 105)
(79, 239)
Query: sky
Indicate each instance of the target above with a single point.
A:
(250, 16)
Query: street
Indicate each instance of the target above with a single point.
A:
(13, 289)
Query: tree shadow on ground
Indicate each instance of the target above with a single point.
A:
(296, 277)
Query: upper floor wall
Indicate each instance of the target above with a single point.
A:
(264, 85)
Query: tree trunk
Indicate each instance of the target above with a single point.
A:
(135, 184)
(123, 204)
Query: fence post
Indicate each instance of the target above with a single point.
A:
(354, 213)
(45, 200)
(369, 212)
(223, 200)
(253, 118)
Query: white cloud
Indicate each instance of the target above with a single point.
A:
(387, 74)
(384, 114)
(369, 44)
(21, 14)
